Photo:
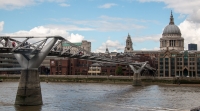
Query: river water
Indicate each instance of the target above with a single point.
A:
(104, 97)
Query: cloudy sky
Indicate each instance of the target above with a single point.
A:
(103, 22)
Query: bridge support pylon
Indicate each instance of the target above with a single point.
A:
(137, 80)
(29, 90)
(137, 73)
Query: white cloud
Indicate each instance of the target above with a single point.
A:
(42, 31)
(117, 26)
(57, 1)
(39, 31)
(75, 38)
(113, 46)
(64, 5)
(190, 32)
(1, 25)
(186, 7)
(180, 6)
(195, 16)
(70, 27)
(156, 48)
(103, 23)
(108, 5)
(117, 23)
(155, 38)
(16, 4)
(181, 16)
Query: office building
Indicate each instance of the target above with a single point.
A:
(192, 46)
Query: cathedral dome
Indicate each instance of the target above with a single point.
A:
(171, 38)
(171, 28)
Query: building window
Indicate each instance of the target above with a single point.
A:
(173, 55)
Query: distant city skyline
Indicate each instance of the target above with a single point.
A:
(103, 22)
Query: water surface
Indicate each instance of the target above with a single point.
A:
(104, 97)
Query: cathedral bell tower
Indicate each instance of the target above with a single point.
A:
(129, 47)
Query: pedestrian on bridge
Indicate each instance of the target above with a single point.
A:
(13, 44)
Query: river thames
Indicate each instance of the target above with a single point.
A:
(59, 96)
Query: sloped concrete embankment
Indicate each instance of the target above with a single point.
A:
(106, 79)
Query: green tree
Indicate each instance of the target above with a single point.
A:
(119, 70)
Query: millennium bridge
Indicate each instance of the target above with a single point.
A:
(31, 51)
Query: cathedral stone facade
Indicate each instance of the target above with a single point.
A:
(171, 37)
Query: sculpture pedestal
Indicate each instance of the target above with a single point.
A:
(29, 90)
(137, 80)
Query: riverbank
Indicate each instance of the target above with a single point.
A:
(108, 79)
(75, 78)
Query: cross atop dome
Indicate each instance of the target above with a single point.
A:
(171, 19)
